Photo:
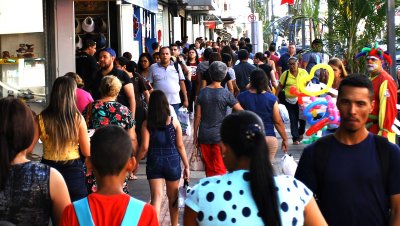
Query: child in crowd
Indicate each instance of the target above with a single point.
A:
(110, 205)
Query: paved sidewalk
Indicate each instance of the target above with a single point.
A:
(140, 188)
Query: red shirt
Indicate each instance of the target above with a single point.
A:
(109, 210)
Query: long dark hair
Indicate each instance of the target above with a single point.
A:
(158, 110)
(16, 133)
(196, 57)
(243, 132)
(139, 65)
(259, 80)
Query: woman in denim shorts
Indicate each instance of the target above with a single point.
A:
(162, 139)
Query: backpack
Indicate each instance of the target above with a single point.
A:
(322, 149)
(132, 214)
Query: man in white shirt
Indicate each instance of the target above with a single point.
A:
(167, 77)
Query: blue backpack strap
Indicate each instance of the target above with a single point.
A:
(133, 212)
(82, 211)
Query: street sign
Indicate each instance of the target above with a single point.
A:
(252, 17)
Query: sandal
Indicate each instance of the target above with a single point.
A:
(296, 142)
(132, 177)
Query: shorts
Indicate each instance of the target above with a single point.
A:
(164, 164)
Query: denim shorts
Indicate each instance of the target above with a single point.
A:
(74, 176)
(164, 163)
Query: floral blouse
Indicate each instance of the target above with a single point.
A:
(98, 114)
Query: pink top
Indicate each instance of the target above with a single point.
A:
(83, 98)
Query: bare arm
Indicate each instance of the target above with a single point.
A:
(59, 195)
(146, 94)
(84, 142)
(189, 217)
(237, 107)
(130, 95)
(183, 89)
(199, 80)
(395, 210)
(279, 70)
(236, 89)
(304, 65)
(273, 79)
(132, 135)
(312, 214)
(196, 124)
(185, 70)
(144, 147)
(181, 149)
(230, 86)
(280, 127)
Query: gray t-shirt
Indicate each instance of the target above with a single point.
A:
(213, 103)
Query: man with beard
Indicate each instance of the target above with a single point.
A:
(354, 174)
(127, 95)
(384, 112)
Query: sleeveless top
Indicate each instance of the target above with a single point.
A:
(48, 151)
(163, 137)
(26, 197)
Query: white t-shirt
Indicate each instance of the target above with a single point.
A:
(167, 80)
(227, 199)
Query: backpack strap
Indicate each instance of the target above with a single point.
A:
(133, 212)
(382, 149)
(321, 154)
(284, 83)
(82, 211)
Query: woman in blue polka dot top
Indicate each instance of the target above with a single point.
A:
(249, 194)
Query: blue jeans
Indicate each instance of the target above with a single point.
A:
(176, 107)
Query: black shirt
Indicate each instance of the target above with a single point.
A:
(86, 67)
(122, 76)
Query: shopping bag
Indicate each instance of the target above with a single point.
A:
(196, 162)
(183, 190)
(284, 113)
(288, 165)
(183, 117)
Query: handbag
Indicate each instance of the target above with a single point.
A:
(196, 161)
(288, 165)
(281, 94)
(184, 120)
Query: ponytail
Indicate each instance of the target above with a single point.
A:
(262, 183)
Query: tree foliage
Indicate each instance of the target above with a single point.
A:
(354, 24)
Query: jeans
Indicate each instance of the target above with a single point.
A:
(176, 107)
(295, 129)
(74, 176)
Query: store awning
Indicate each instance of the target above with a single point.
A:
(150, 5)
(199, 5)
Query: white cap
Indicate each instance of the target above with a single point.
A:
(78, 42)
(88, 24)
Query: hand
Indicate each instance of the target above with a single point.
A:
(285, 146)
(186, 174)
(185, 103)
(195, 141)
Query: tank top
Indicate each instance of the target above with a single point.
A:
(26, 197)
(48, 151)
(163, 137)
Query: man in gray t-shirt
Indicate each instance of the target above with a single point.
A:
(211, 106)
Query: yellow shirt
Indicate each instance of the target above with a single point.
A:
(71, 152)
(291, 81)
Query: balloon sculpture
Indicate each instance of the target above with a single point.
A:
(318, 111)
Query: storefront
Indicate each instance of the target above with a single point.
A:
(23, 50)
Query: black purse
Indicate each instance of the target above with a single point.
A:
(281, 94)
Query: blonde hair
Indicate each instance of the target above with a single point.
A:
(110, 86)
(61, 117)
(339, 64)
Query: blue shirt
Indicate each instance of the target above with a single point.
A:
(352, 192)
(261, 104)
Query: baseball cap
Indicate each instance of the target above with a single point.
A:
(110, 51)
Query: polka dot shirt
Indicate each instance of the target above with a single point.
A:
(227, 200)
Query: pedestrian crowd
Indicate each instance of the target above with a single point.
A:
(101, 121)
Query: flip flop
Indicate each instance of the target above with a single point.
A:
(132, 177)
